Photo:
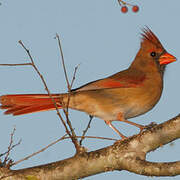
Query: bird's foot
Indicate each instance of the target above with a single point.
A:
(121, 140)
(147, 127)
(151, 125)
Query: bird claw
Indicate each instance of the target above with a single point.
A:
(148, 127)
(121, 140)
(151, 125)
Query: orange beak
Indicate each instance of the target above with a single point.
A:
(166, 59)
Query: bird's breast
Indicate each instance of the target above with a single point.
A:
(144, 99)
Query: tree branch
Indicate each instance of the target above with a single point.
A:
(85, 131)
(154, 169)
(129, 154)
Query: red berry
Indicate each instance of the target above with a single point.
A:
(135, 9)
(124, 9)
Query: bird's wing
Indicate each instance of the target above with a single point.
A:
(123, 79)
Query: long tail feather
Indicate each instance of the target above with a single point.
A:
(28, 103)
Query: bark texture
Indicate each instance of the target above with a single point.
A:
(129, 155)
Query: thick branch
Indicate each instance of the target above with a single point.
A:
(154, 169)
(127, 155)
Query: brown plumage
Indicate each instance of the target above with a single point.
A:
(124, 95)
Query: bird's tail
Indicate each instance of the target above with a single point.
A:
(18, 104)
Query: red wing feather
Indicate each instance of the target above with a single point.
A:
(125, 80)
(110, 83)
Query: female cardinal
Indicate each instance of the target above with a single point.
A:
(124, 95)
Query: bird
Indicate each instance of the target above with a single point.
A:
(119, 97)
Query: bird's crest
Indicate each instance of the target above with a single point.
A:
(149, 37)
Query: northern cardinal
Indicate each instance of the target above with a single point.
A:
(124, 95)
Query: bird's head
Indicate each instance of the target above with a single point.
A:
(152, 54)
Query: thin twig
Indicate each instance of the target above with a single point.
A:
(58, 140)
(95, 137)
(43, 149)
(7, 161)
(85, 131)
(46, 88)
(23, 64)
(64, 67)
(12, 147)
(65, 110)
(9, 147)
(124, 3)
(74, 75)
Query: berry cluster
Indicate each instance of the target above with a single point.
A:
(124, 7)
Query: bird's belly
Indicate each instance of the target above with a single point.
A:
(129, 107)
(141, 105)
(135, 110)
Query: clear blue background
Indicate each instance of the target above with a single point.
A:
(96, 35)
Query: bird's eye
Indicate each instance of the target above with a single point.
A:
(153, 54)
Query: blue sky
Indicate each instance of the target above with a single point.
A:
(96, 35)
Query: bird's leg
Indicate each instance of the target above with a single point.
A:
(111, 126)
(121, 118)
